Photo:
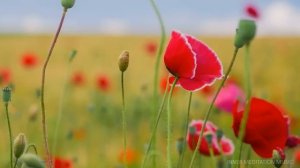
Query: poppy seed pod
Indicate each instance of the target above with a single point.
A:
(278, 157)
(123, 61)
(244, 33)
(67, 3)
(19, 145)
(209, 138)
(31, 161)
(220, 134)
(6, 95)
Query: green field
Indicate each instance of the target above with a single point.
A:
(96, 116)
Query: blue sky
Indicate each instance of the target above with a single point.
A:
(212, 17)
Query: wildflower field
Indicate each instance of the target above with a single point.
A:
(104, 106)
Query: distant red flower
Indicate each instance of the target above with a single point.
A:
(130, 155)
(192, 61)
(62, 163)
(227, 97)
(266, 127)
(163, 84)
(297, 157)
(252, 11)
(5, 76)
(292, 141)
(78, 79)
(193, 136)
(151, 48)
(29, 60)
(207, 90)
(103, 83)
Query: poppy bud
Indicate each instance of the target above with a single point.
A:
(209, 138)
(67, 3)
(123, 61)
(72, 55)
(179, 145)
(19, 145)
(245, 33)
(31, 161)
(278, 157)
(6, 95)
(219, 135)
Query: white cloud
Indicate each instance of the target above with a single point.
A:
(33, 24)
(114, 26)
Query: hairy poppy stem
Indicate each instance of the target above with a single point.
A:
(207, 114)
(45, 134)
(156, 68)
(169, 125)
(10, 135)
(124, 120)
(238, 153)
(180, 162)
(152, 137)
(31, 146)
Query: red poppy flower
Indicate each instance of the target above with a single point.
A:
(192, 138)
(292, 141)
(297, 157)
(163, 84)
(151, 48)
(62, 163)
(29, 60)
(103, 83)
(207, 90)
(192, 61)
(130, 155)
(252, 11)
(78, 79)
(266, 127)
(5, 76)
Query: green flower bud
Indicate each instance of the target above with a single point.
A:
(123, 61)
(67, 3)
(72, 55)
(245, 33)
(19, 145)
(31, 161)
(6, 95)
(179, 145)
(278, 157)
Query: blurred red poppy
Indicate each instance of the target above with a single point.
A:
(151, 48)
(163, 84)
(62, 163)
(266, 127)
(5, 76)
(77, 79)
(130, 155)
(29, 60)
(103, 82)
(252, 11)
(224, 145)
(192, 61)
(297, 156)
(207, 90)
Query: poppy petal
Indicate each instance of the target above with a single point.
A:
(179, 57)
(227, 146)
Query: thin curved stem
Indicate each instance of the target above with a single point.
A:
(185, 130)
(45, 134)
(10, 135)
(124, 120)
(207, 114)
(237, 156)
(32, 146)
(152, 137)
(169, 125)
(15, 165)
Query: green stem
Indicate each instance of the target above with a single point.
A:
(207, 114)
(156, 68)
(60, 110)
(124, 119)
(213, 158)
(169, 125)
(45, 134)
(237, 155)
(185, 130)
(16, 162)
(152, 137)
(34, 148)
(10, 135)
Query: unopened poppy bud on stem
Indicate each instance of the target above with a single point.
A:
(278, 157)
(19, 145)
(245, 33)
(31, 161)
(123, 61)
(6, 95)
(67, 3)
(180, 144)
